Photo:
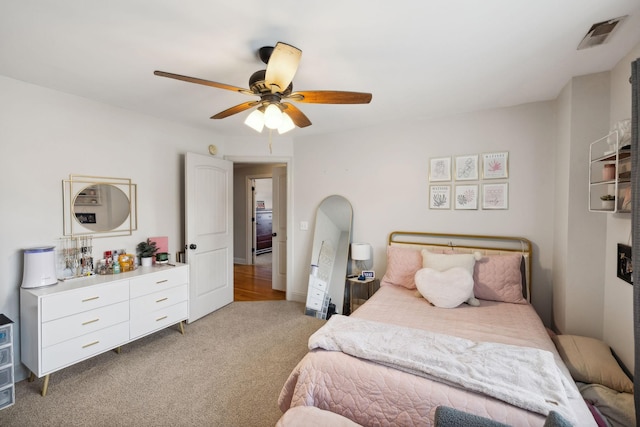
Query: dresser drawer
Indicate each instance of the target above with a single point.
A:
(77, 349)
(315, 303)
(158, 281)
(7, 397)
(317, 283)
(5, 335)
(6, 376)
(316, 294)
(6, 355)
(144, 323)
(83, 299)
(159, 300)
(79, 324)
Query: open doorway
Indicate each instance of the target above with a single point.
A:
(262, 201)
(260, 228)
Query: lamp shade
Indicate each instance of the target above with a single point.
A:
(360, 251)
(255, 120)
(272, 116)
(286, 125)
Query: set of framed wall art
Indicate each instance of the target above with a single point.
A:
(459, 181)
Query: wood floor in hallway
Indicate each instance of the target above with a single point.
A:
(253, 283)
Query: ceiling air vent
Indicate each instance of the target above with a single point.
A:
(599, 33)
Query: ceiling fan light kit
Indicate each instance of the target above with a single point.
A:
(255, 120)
(274, 85)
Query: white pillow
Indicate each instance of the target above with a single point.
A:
(445, 289)
(443, 262)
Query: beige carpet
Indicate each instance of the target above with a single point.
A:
(227, 370)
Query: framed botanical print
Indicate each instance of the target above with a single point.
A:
(466, 168)
(466, 197)
(440, 169)
(440, 197)
(495, 196)
(495, 165)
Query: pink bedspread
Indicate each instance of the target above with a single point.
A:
(375, 395)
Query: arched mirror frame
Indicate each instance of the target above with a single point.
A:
(77, 183)
(330, 250)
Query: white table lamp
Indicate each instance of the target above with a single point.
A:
(361, 253)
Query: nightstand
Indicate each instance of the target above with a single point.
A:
(357, 292)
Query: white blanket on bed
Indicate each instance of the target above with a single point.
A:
(521, 376)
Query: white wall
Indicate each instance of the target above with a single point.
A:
(578, 293)
(45, 136)
(618, 294)
(386, 169)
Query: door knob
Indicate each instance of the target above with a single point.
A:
(274, 234)
(193, 246)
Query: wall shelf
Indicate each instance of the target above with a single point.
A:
(609, 174)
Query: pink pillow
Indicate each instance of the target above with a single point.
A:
(402, 265)
(498, 278)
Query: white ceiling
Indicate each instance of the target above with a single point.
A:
(419, 58)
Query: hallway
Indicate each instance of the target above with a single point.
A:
(253, 282)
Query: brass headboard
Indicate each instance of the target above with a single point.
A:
(467, 243)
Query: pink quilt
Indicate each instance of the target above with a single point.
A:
(373, 394)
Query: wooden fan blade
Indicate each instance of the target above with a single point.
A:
(296, 115)
(282, 66)
(235, 110)
(330, 97)
(203, 82)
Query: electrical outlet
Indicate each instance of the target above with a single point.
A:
(304, 225)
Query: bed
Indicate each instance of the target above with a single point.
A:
(373, 390)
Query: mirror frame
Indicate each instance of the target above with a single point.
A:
(72, 186)
(327, 212)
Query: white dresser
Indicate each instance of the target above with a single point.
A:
(74, 320)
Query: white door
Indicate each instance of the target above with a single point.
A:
(279, 229)
(209, 233)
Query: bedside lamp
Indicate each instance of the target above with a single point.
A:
(361, 253)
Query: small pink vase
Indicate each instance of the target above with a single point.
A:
(609, 172)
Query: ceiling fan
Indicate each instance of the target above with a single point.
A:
(274, 88)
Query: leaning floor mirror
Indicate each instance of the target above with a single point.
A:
(330, 256)
(99, 206)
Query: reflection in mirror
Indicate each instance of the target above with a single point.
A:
(101, 207)
(330, 256)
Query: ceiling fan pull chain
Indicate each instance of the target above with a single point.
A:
(270, 134)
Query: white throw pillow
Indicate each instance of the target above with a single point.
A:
(445, 289)
(443, 262)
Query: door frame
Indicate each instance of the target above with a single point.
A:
(288, 161)
(251, 212)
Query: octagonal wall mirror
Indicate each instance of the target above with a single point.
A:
(99, 206)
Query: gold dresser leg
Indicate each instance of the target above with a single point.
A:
(182, 327)
(118, 349)
(32, 377)
(45, 386)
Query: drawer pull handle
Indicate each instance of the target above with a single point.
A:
(161, 318)
(90, 344)
(89, 322)
(162, 299)
(90, 299)
(162, 281)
